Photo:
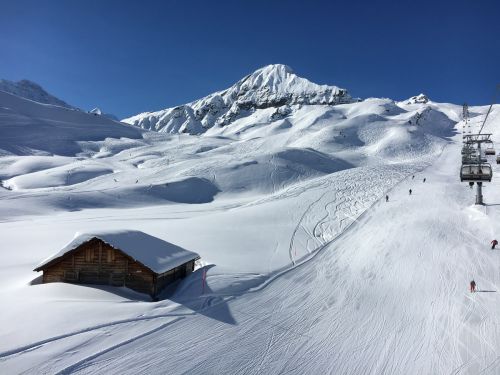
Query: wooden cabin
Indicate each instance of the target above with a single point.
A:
(133, 259)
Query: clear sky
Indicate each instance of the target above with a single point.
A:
(133, 56)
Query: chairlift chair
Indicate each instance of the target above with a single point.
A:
(476, 172)
(490, 151)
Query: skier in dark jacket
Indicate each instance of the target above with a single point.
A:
(493, 244)
(410, 191)
(472, 286)
(424, 179)
(387, 198)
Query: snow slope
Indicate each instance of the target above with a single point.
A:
(107, 164)
(387, 294)
(28, 127)
(31, 91)
(309, 270)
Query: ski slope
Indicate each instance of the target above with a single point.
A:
(387, 296)
(309, 270)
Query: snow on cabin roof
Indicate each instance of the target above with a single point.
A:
(153, 252)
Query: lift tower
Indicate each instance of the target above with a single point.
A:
(465, 113)
(475, 168)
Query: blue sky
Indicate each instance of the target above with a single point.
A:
(132, 56)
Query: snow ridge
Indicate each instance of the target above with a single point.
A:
(273, 86)
(32, 91)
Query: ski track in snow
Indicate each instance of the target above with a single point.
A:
(349, 202)
(294, 332)
(373, 288)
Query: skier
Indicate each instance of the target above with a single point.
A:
(412, 177)
(387, 198)
(493, 244)
(410, 191)
(424, 179)
(472, 286)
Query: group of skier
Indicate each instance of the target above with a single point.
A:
(409, 191)
(493, 243)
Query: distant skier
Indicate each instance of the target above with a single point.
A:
(412, 177)
(410, 191)
(472, 286)
(387, 198)
(493, 244)
(424, 180)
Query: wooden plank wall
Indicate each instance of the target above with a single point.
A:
(98, 263)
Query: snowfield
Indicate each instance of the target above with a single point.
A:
(309, 269)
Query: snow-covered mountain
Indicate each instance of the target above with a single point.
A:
(32, 91)
(28, 128)
(274, 86)
(98, 111)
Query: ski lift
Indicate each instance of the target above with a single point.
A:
(470, 159)
(476, 172)
(467, 150)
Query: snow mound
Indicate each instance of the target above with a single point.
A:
(11, 166)
(62, 176)
(98, 112)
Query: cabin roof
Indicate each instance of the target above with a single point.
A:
(156, 254)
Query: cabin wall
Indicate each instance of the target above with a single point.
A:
(98, 263)
(175, 274)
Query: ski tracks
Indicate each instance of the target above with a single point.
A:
(81, 363)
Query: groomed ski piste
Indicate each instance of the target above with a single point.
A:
(309, 269)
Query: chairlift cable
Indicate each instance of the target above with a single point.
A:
(489, 109)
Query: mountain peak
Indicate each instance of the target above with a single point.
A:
(418, 99)
(279, 79)
(280, 69)
(273, 86)
(33, 91)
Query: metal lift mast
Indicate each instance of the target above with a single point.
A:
(478, 139)
(474, 170)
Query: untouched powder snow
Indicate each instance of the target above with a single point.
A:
(28, 128)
